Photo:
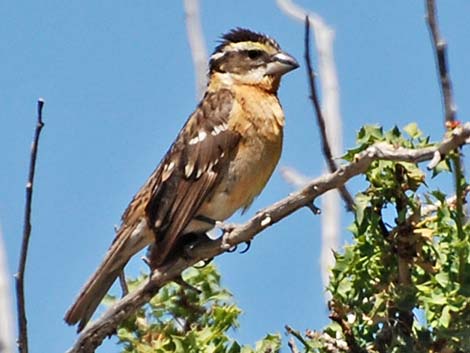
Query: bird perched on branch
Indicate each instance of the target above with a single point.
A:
(220, 161)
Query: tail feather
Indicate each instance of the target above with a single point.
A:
(129, 241)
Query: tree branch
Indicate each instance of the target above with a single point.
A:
(22, 321)
(347, 198)
(440, 48)
(106, 325)
(330, 103)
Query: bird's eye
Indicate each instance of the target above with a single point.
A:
(254, 54)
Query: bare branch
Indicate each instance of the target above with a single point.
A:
(197, 44)
(440, 48)
(123, 284)
(6, 318)
(105, 326)
(299, 337)
(22, 321)
(330, 126)
(292, 346)
(321, 119)
(331, 345)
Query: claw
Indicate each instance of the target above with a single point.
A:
(232, 249)
(248, 245)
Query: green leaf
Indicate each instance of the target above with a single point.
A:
(444, 320)
(413, 131)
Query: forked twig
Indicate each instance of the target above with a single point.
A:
(347, 198)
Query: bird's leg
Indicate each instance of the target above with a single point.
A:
(123, 284)
(179, 280)
(191, 241)
(226, 228)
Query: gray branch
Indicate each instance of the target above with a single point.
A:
(106, 325)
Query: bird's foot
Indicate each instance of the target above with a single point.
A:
(225, 227)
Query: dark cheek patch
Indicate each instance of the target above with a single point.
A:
(235, 62)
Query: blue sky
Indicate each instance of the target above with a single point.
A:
(118, 82)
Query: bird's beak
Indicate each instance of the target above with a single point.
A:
(281, 63)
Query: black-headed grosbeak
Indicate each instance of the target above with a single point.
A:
(220, 161)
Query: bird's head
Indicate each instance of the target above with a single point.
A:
(250, 58)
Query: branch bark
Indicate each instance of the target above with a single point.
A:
(440, 49)
(347, 198)
(330, 127)
(106, 325)
(21, 307)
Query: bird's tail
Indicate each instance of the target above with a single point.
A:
(129, 240)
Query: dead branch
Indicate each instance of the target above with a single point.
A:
(347, 198)
(21, 307)
(330, 104)
(440, 49)
(106, 325)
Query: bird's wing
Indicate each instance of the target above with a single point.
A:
(189, 172)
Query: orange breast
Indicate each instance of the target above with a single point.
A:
(259, 119)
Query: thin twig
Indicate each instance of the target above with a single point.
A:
(292, 346)
(21, 307)
(347, 198)
(106, 325)
(323, 38)
(123, 284)
(299, 337)
(440, 49)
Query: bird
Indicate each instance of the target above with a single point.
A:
(219, 162)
